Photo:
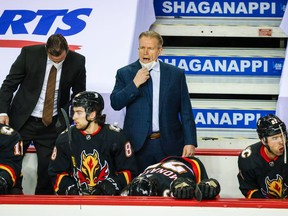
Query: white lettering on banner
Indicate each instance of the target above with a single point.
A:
(223, 65)
(219, 7)
(165, 172)
(225, 118)
(19, 21)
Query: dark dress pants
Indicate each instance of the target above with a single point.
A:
(43, 138)
(149, 154)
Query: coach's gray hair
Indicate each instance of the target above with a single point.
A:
(153, 34)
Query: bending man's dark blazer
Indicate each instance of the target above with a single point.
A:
(176, 120)
(27, 73)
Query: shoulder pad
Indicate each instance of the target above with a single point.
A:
(114, 127)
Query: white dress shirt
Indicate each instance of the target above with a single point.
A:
(155, 75)
(38, 110)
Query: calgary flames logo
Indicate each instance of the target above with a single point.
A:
(274, 187)
(91, 170)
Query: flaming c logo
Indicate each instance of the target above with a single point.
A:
(91, 170)
(274, 187)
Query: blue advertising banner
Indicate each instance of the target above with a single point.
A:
(209, 8)
(215, 65)
(230, 119)
(47, 19)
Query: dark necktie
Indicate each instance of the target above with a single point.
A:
(150, 90)
(49, 97)
(150, 86)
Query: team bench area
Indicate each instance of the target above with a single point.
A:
(112, 205)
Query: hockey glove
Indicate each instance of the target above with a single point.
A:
(210, 188)
(106, 187)
(72, 190)
(3, 186)
(182, 188)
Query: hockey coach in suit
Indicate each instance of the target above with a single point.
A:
(23, 93)
(159, 121)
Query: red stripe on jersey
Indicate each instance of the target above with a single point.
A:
(93, 134)
(127, 175)
(196, 168)
(10, 171)
(265, 156)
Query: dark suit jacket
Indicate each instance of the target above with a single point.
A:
(26, 78)
(176, 120)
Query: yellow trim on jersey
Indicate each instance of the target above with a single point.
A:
(10, 171)
(58, 181)
(197, 175)
(251, 193)
(127, 176)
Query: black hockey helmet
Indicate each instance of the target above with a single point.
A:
(143, 186)
(90, 101)
(270, 125)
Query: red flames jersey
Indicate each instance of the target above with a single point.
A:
(99, 156)
(171, 168)
(11, 154)
(260, 177)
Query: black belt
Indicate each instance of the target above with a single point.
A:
(154, 135)
(36, 119)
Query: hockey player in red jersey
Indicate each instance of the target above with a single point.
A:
(179, 177)
(263, 166)
(11, 156)
(104, 159)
